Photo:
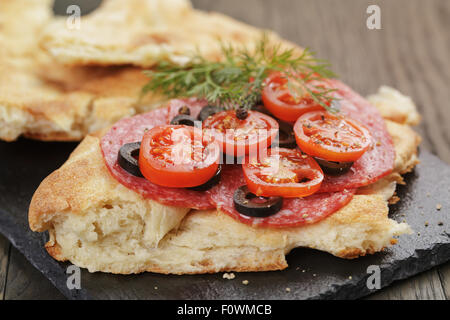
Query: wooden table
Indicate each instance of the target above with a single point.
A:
(411, 53)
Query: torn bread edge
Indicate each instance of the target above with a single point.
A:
(97, 223)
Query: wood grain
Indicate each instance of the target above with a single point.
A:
(426, 286)
(24, 282)
(4, 259)
(410, 53)
(444, 275)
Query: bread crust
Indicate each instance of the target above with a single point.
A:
(97, 223)
(74, 201)
(142, 32)
(44, 100)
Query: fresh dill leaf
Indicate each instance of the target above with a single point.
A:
(238, 80)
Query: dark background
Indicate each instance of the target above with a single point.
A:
(410, 53)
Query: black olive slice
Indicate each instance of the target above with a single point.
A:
(127, 158)
(286, 136)
(210, 183)
(208, 111)
(183, 119)
(184, 110)
(241, 113)
(251, 205)
(333, 167)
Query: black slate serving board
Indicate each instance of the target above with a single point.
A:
(25, 163)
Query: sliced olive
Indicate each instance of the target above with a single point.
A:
(127, 159)
(251, 205)
(183, 119)
(286, 137)
(184, 110)
(241, 113)
(208, 111)
(211, 182)
(333, 167)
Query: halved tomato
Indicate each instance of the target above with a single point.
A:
(178, 156)
(277, 98)
(283, 172)
(242, 137)
(331, 137)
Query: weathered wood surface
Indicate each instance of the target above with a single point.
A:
(4, 259)
(410, 53)
(24, 282)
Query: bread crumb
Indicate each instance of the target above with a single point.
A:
(426, 223)
(288, 289)
(229, 276)
(439, 206)
(314, 274)
(245, 282)
(428, 194)
(156, 288)
(303, 270)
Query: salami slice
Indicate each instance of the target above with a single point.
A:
(294, 212)
(132, 130)
(376, 162)
(194, 105)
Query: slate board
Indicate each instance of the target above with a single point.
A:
(25, 163)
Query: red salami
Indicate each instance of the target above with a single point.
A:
(194, 105)
(376, 162)
(295, 211)
(335, 192)
(131, 130)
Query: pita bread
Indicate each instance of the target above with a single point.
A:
(395, 106)
(43, 100)
(97, 223)
(142, 32)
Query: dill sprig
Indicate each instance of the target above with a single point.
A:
(238, 80)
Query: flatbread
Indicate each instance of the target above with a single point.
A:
(43, 100)
(142, 32)
(97, 223)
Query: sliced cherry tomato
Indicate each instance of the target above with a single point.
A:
(178, 156)
(331, 137)
(283, 172)
(242, 137)
(277, 98)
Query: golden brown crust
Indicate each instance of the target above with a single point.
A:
(83, 188)
(395, 106)
(62, 190)
(141, 32)
(97, 223)
(406, 141)
(43, 100)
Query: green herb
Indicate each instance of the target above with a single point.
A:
(238, 80)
